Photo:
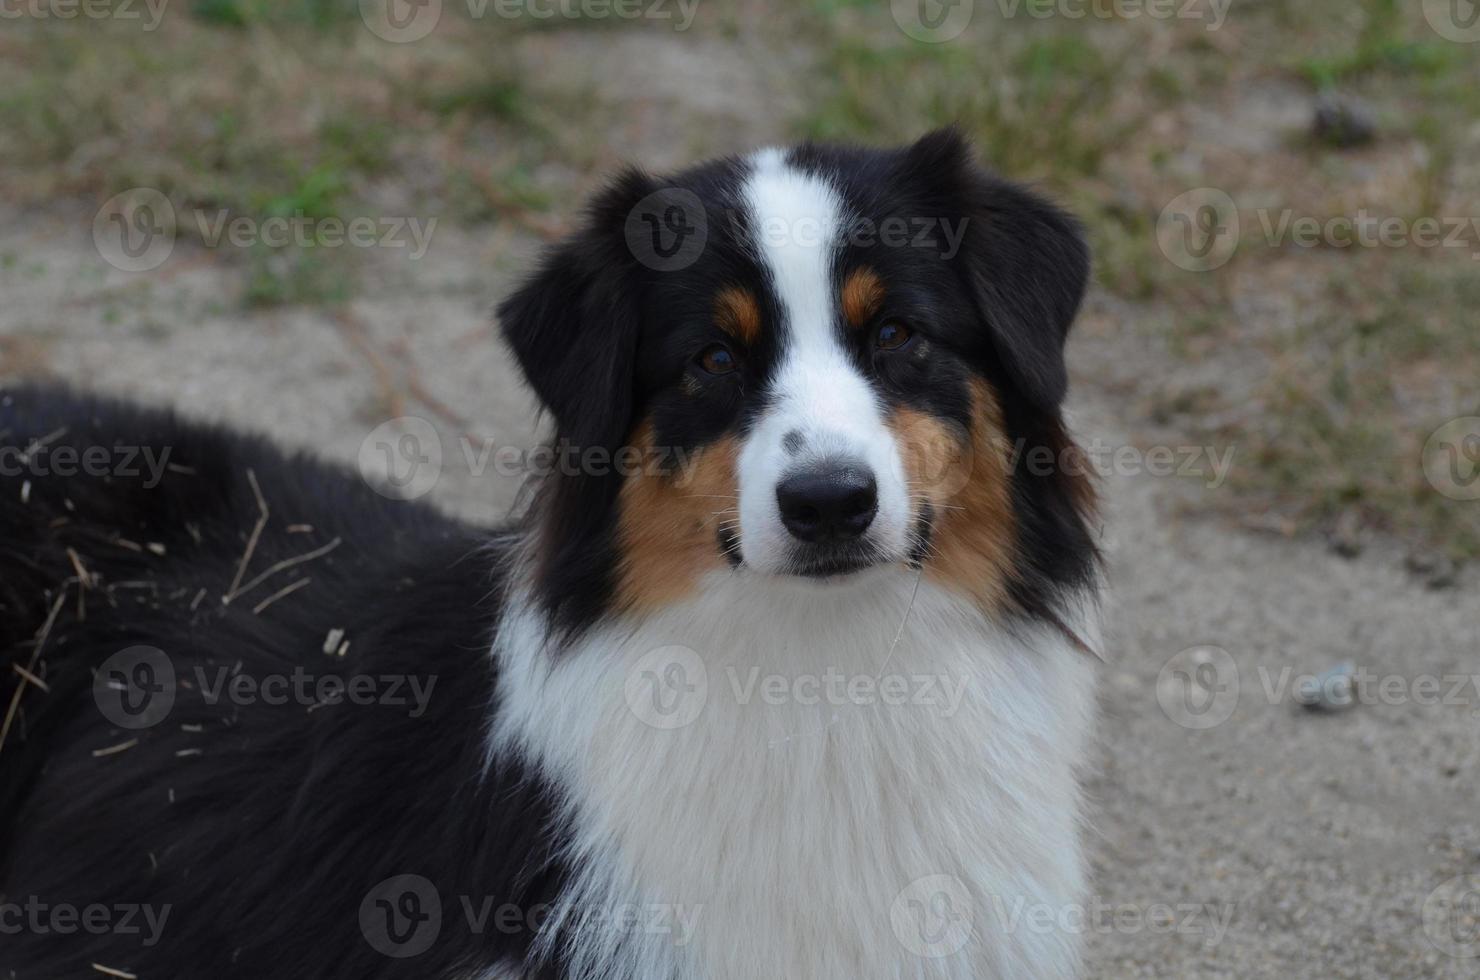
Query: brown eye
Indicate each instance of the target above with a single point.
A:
(718, 359)
(892, 335)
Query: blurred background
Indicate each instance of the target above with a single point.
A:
(297, 215)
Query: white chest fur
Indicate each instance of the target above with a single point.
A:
(775, 780)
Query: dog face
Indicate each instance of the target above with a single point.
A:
(818, 363)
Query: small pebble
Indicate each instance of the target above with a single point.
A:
(1436, 569)
(1345, 537)
(1330, 690)
(1344, 121)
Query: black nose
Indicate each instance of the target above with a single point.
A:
(834, 502)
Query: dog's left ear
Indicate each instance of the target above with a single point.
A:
(1024, 261)
(573, 325)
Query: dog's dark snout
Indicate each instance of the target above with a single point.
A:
(831, 502)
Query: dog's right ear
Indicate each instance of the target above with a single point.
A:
(573, 325)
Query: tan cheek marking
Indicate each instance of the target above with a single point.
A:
(738, 314)
(668, 524)
(967, 482)
(863, 292)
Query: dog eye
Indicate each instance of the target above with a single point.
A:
(718, 359)
(892, 335)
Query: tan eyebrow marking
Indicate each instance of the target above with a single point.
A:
(863, 293)
(738, 314)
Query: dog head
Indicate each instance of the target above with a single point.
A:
(809, 364)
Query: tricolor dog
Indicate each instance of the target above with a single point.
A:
(804, 699)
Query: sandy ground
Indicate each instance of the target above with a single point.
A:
(1275, 842)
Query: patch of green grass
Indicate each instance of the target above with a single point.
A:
(363, 145)
(1031, 108)
(288, 276)
(241, 13)
(500, 97)
(316, 196)
(1339, 431)
(238, 111)
(1380, 46)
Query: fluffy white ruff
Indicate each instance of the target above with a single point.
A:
(803, 833)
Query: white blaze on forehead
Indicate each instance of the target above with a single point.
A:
(817, 391)
(797, 217)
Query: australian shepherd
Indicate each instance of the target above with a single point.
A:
(787, 674)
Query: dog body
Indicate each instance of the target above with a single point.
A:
(796, 690)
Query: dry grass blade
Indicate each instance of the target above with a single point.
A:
(41, 443)
(31, 678)
(280, 593)
(115, 749)
(41, 635)
(286, 563)
(256, 535)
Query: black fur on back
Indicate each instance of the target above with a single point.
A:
(263, 827)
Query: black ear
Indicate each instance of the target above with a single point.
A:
(573, 325)
(1024, 261)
